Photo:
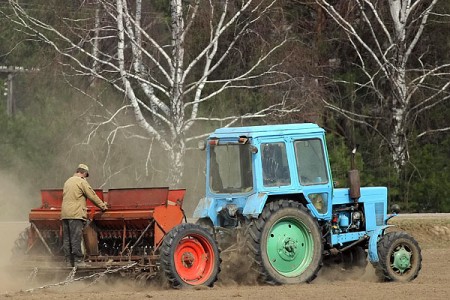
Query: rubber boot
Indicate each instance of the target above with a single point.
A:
(81, 264)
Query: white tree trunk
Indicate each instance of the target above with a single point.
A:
(162, 85)
(389, 48)
(176, 162)
(399, 12)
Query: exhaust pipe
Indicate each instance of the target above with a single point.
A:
(354, 180)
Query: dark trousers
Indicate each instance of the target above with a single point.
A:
(72, 235)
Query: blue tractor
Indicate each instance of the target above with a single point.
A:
(269, 189)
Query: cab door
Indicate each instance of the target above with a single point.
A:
(314, 176)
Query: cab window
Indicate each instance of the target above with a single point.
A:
(311, 165)
(275, 164)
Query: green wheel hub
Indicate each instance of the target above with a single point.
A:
(401, 259)
(290, 247)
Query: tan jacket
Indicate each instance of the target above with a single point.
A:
(75, 192)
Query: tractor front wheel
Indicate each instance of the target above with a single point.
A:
(285, 243)
(400, 257)
(189, 256)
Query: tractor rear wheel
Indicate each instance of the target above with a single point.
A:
(189, 256)
(285, 243)
(400, 257)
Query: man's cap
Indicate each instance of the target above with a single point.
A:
(84, 167)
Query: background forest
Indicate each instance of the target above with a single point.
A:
(317, 71)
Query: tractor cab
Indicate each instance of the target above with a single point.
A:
(248, 165)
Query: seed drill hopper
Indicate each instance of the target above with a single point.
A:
(142, 233)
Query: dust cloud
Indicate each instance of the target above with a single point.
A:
(236, 270)
(17, 198)
(336, 273)
(9, 232)
(66, 131)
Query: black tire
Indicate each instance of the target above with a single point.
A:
(355, 258)
(400, 257)
(298, 245)
(189, 257)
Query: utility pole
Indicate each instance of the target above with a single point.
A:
(10, 105)
(11, 71)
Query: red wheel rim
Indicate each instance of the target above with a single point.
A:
(194, 259)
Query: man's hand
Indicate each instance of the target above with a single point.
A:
(105, 206)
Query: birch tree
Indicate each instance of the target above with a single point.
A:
(388, 38)
(164, 82)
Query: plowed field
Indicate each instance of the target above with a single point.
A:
(431, 231)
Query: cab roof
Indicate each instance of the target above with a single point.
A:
(268, 130)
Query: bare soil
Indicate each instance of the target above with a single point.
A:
(431, 231)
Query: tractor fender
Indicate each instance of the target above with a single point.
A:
(372, 250)
(207, 208)
(255, 204)
(203, 207)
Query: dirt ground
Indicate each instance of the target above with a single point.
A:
(431, 231)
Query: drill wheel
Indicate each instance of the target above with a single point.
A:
(189, 257)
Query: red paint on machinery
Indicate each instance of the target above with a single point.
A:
(131, 212)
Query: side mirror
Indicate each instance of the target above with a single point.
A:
(395, 208)
(201, 145)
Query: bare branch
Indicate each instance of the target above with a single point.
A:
(433, 131)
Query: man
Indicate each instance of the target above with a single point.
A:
(74, 214)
